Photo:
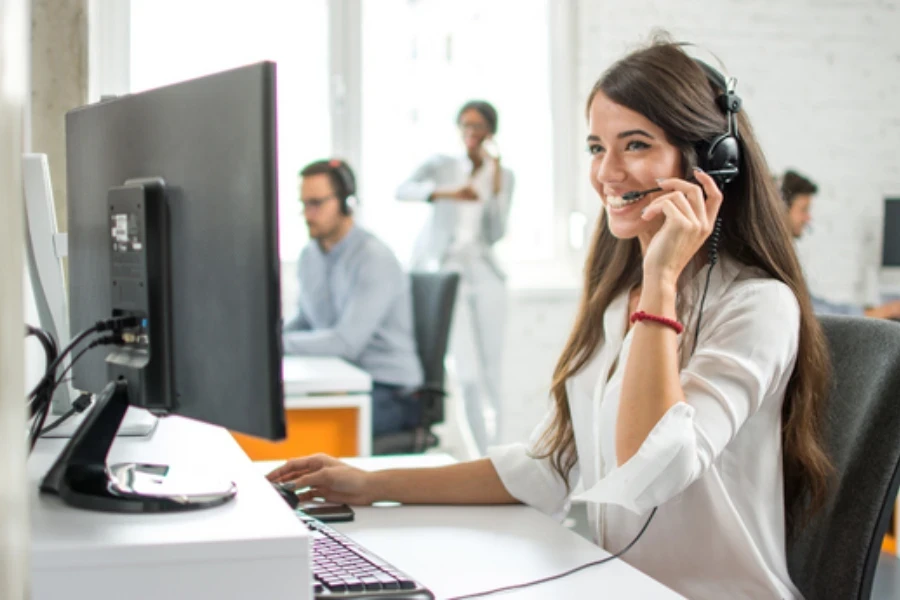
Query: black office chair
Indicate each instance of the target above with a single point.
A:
(835, 556)
(434, 296)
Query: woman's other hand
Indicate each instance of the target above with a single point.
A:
(325, 477)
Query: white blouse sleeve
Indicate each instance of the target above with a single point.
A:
(422, 183)
(496, 210)
(746, 351)
(532, 480)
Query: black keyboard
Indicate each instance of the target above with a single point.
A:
(344, 569)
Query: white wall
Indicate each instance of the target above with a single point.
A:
(821, 83)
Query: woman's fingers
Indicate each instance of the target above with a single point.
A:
(714, 195)
(296, 467)
(675, 206)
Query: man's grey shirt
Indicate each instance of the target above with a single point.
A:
(355, 303)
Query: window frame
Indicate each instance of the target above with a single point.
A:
(109, 74)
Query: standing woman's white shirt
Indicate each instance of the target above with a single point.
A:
(712, 464)
(459, 236)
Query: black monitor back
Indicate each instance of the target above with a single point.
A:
(213, 142)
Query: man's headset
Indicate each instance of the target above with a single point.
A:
(346, 193)
(720, 157)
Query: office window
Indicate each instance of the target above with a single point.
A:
(421, 60)
(173, 40)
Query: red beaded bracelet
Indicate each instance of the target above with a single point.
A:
(640, 315)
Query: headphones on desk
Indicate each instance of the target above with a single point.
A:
(720, 157)
(342, 175)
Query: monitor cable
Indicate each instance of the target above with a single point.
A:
(41, 396)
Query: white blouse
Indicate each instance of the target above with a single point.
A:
(454, 229)
(712, 464)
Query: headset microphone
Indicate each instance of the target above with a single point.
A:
(628, 197)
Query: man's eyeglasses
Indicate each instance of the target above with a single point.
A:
(315, 203)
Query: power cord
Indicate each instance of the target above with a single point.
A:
(84, 401)
(41, 396)
(81, 404)
(108, 340)
(43, 393)
(116, 324)
(564, 573)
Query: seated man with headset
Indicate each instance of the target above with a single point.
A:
(355, 299)
(797, 191)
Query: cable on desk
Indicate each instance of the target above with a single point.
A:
(564, 573)
(80, 405)
(43, 393)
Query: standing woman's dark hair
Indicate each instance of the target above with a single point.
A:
(670, 89)
(485, 109)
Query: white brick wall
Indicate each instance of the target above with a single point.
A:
(538, 325)
(821, 83)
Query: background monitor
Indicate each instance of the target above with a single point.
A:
(45, 248)
(890, 245)
(172, 217)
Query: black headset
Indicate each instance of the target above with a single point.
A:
(347, 183)
(720, 157)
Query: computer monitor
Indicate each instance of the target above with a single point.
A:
(45, 248)
(890, 244)
(173, 221)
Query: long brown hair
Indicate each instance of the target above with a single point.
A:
(665, 85)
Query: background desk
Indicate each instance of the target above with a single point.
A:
(329, 409)
(457, 550)
(251, 547)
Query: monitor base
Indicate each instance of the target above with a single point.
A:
(81, 478)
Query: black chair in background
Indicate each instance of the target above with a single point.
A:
(835, 556)
(434, 296)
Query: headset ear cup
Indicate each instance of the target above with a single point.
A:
(720, 159)
(349, 204)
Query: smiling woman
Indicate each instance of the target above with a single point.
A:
(696, 429)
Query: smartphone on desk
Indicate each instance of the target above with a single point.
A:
(327, 512)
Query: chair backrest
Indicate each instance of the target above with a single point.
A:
(434, 296)
(836, 554)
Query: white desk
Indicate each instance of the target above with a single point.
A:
(250, 547)
(323, 382)
(317, 375)
(455, 550)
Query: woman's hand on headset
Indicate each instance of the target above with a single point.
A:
(689, 220)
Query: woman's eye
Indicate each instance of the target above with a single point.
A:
(594, 148)
(636, 145)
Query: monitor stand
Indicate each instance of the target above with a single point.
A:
(137, 422)
(81, 477)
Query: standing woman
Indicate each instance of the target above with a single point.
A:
(470, 197)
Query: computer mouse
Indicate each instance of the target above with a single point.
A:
(287, 494)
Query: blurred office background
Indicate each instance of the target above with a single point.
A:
(379, 83)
